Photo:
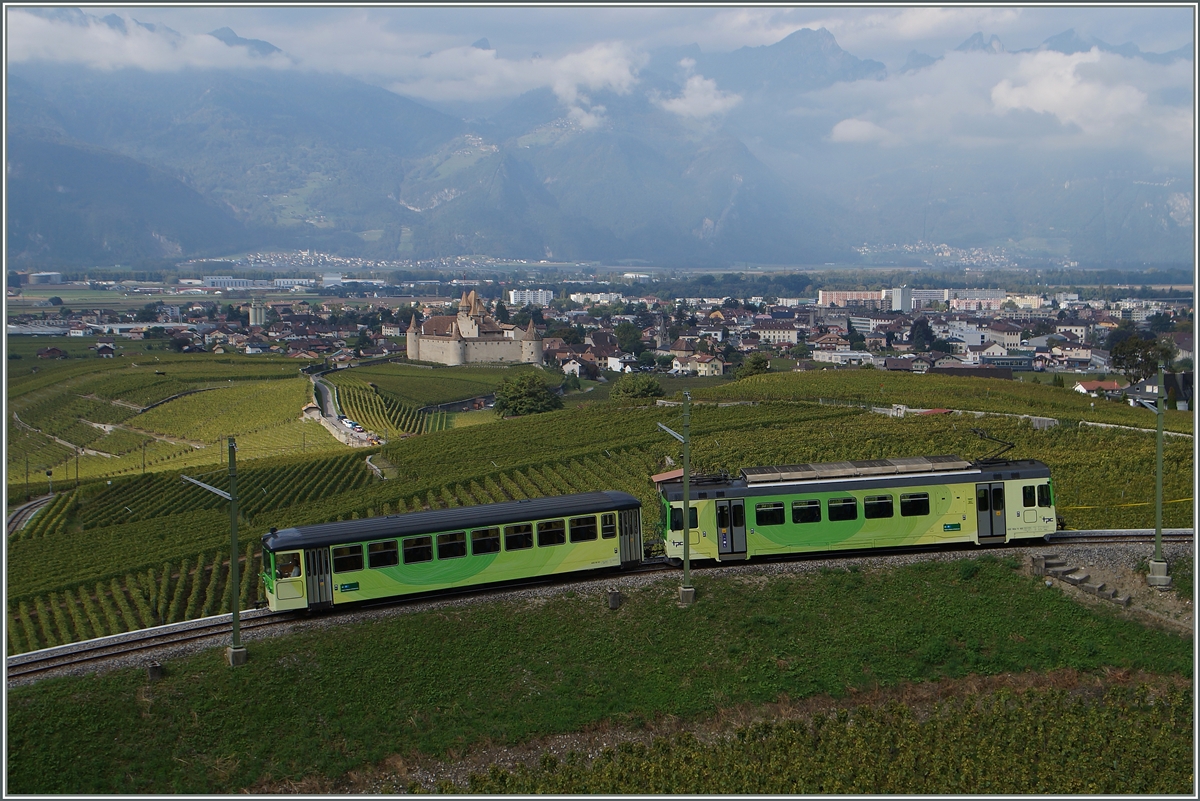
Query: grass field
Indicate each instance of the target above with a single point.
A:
(333, 700)
(424, 386)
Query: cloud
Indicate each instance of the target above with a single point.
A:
(1091, 100)
(701, 98)
(1050, 82)
(855, 130)
(95, 44)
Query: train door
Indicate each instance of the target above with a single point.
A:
(989, 506)
(731, 527)
(631, 536)
(319, 579)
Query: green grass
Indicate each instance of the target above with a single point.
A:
(325, 702)
(1146, 748)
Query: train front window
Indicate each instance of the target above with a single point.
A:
(583, 529)
(485, 540)
(383, 554)
(1028, 495)
(347, 558)
(519, 537)
(287, 565)
(1043, 493)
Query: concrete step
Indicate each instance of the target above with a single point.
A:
(1121, 600)
(1093, 589)
(1076, 578)
(1059, 572)
(1107, 594)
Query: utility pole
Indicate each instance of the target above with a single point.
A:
(1158, 566)
(687, 593)
(143, 457)
(77, 450)
(235, 653)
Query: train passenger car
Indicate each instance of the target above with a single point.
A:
(878, 503)
(320, 566)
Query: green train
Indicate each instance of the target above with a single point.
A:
(936, 500)
(331, 564)
(878, 503)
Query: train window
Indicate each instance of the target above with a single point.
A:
(418, 549)
(997, 499)
(914, 504)
(452, 546)
(981, 499)
(347, 558)
(287, 565)
(1029, 495)
(843, 509)
(1043, 493)
(877, 506)
(518, 537)
(551, 532)
(806, 511)
(722, 516)
(739, 515)
(583, 529)
(485, 540)
(383, 554)
(677, 518)
(608, 525)
(768, 514)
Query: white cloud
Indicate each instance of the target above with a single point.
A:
(856, 130)
(701, 98)
(99, 46)
(1050, 83)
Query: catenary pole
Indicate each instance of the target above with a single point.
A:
(234, 582)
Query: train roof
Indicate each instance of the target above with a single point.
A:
(460, 517)
(867, 473)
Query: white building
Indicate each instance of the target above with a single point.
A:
(291, 283)
(331, 279)
(530, 297)
(587, 298)
(227, 282)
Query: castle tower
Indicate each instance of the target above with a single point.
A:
(413, 340)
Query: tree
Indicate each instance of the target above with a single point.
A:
(501, 313)
(921, 335)
(755, 364)
(1160, 323)
(629, 337)
(800, 351)
(147, 314)
(525, 394)
(55, 300)
(665, 361)
(1124, 330)
(646, 358)
(1138, 358)
(857, 340)
(633, 385)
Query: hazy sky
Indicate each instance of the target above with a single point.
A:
(965, 99)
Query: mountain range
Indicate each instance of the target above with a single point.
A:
(125, 165)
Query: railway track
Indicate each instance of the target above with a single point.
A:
(21, 516)
(146, 643)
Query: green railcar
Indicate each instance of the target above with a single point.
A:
(315, 567)
(879, 503)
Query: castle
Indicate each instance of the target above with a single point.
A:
(471, 336)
